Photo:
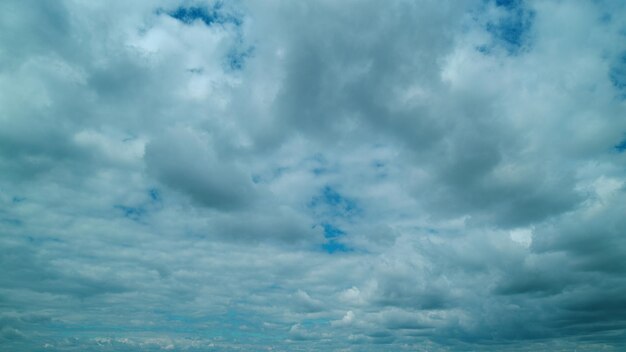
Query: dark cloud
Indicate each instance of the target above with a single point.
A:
(186, 161)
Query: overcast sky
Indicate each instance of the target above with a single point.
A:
(312, 175)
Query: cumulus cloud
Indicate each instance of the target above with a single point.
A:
(341, 176)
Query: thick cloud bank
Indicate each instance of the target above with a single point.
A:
(312, 175)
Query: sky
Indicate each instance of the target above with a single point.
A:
(319, 175)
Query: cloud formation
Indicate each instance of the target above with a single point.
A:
(312, 176)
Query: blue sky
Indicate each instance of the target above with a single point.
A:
(312, 175)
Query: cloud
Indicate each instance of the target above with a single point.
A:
(186, 161)
(341, 176)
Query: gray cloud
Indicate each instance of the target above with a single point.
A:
(341, 176)
(183, 160)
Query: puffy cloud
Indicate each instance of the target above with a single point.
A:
(342, 176)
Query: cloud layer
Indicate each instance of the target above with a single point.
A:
(312, 176)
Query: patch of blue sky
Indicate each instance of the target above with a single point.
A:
(334, 203)
(213, 15)
(331, 207)
(508, 3)
(332, 197)
(510, 31)
(237, 58)
(334, 246)
(331, 231)
(208, 15)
